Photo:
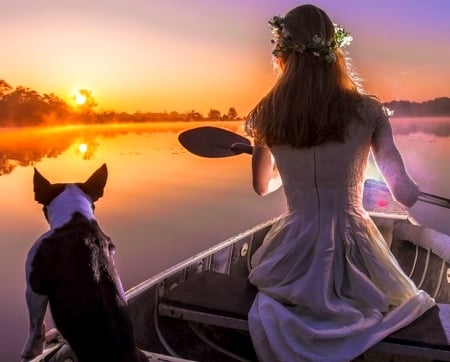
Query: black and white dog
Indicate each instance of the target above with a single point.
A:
(71, 268)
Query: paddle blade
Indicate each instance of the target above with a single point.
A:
(214, 142)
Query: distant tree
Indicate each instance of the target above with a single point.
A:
(214, 114)
(106, 117)
(57, 111)
(4, 88)
(232, 114)
(24, 107)
(89, 103)
(175, 116)
(439, 106)
(194, 116)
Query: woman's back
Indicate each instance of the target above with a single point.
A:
(333, 165)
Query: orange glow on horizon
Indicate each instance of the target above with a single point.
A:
(167, 57)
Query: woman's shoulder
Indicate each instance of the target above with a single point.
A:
(372, 110)
(370, 104)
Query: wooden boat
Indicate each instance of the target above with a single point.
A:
(197, 309)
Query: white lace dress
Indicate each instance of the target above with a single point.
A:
(329, 287)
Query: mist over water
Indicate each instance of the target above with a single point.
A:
(425, 147)
(426, 126)
(161, 203)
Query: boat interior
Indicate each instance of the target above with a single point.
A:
(213, 302)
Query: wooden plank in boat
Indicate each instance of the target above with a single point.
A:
(431, 329)
(426, 337)
(217, 294)
(214, 292)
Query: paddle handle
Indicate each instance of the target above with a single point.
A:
(434, 199)
(241, 148)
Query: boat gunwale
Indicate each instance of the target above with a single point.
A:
(138, 289)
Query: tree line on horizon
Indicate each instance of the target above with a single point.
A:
(438, 107)
(23, 106)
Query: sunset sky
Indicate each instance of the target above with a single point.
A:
(182, 55)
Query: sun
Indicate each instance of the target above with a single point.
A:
(79, 98)
(82, 147)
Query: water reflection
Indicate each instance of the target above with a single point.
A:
(28, 145)
(161, 203)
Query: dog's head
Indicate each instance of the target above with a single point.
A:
(62, 200)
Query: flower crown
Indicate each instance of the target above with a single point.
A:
(283, 41)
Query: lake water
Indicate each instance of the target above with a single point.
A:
(161, 203)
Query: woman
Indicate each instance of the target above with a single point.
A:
(329, 287)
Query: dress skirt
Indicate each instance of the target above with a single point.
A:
(329, 287)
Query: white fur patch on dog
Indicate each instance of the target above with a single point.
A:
(71, 200)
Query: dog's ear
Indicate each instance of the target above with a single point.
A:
(96, 183)
(43, 191)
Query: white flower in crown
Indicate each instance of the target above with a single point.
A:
(342, 37)
(318, 47)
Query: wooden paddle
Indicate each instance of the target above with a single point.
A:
(214, 142)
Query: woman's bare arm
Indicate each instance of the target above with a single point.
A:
(266, 178)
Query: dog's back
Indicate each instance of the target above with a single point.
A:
(72, 267)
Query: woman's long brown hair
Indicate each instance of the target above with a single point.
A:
(312, 101)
